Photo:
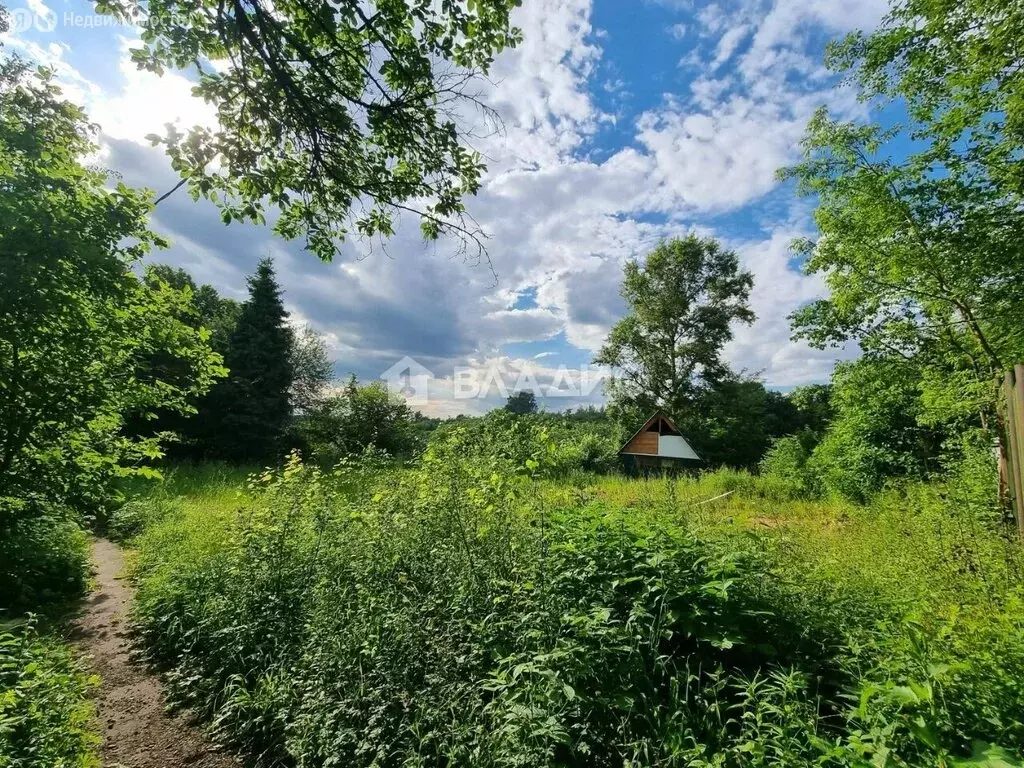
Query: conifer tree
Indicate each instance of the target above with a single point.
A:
(255, 409)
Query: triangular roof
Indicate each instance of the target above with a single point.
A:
(658, 414)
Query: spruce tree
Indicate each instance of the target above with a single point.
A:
(254, 402)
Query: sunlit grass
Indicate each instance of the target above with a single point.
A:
(370, 588)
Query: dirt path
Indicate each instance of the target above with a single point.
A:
(137, 732)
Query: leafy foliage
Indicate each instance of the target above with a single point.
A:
(957, 67)
(76, 318)
(521, 402)
(729, 422)
(918, 246)
(876, 432)
(337, 115)
(45, 718)
(44, 558)
(787, 461)
(682, 302)
(919, 259)
(465, 610)
(549, 444)
(312, 371)
(359, 419)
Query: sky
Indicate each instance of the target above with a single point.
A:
(625, 122)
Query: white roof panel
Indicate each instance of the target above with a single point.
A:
(676, 447)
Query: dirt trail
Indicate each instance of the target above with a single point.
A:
(137, 732)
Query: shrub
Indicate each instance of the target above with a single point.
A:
(134, 516)
(44, 558)
(553, 445)
(356, 419)
(45, 717)
(460, 613)
(786, 463)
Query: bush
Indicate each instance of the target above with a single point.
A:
(44, 558)
(552, 445)
(134, 516)
(460, 613)
(45, 716)
(357, 419)
(786, 463)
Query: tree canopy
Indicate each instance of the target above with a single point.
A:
(918, 238)
(957, 66)
(682, 302)
(359, 418)
(919, 263)
(77, 321)
(337, 115)
(522, 402)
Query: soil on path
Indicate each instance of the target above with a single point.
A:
(137, 732)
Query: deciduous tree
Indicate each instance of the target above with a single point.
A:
(357, 418)
(338, 115)
(682, 302)
(75, 320)
(922, 259)
(521, 403)
(958, 67)
(312, 370)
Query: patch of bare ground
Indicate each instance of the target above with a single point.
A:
(137, 731)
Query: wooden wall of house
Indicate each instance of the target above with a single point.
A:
(645, 442)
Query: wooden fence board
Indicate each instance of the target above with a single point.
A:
(1013, 449)
(1018, 428)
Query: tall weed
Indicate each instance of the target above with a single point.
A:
(467, 611)
(45, 718)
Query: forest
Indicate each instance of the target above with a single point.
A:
(321, 575)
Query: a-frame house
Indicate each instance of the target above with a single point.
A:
(658, 445)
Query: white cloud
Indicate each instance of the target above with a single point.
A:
(560, 223)
(77, 88)
(719, 149)
(782, 25)
(540, 88)
(728, 43)
(765, 346)
(146, 102)
(721, 158)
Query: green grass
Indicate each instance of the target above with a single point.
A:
(467, 612)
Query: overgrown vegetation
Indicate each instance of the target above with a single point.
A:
(76, 324)
(45, 718)
(466, 610)
(485, 591)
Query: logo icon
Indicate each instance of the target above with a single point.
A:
(410, 380)
(21, 20)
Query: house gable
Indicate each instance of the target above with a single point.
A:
(660, 437)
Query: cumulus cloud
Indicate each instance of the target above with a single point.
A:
(561, 223)
(721, 158)
(146, 102)
(765, 346)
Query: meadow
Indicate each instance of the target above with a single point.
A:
(477, 608)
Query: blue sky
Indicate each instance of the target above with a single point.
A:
(625, 122)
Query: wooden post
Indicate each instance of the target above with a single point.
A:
(1016, 394)
(1012, 445)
